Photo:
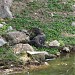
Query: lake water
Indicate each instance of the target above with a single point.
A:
(64, 65)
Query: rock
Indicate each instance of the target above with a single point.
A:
(10, 28)
(57, 54)
(66, 50)
(1, 25)
(46, 64)
(24, 58)
(54, 43)
(5, 8)
(18, 48)
(16, 37)
(25, 31)
(27, 1)
(41, 56)
(37, 55)
(8, 70)
(73, 7)
(37, 52)
(73, 23)
(73, 49)
(2, 41)
(50, 57)
(52, 14)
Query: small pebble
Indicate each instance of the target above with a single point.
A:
(1, 25)
(73, 23)
(10, 28)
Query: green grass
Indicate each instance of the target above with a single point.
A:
(52, 30)
(57, 5)
(7, 54)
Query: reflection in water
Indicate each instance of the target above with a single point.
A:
(65, 65)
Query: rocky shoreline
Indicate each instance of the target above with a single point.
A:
(28, 57)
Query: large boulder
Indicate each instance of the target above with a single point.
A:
(19, 48)
(16, 37)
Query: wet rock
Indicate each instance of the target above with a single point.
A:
(2, 41)
(18, 48)
(54, 43)
(16, 37)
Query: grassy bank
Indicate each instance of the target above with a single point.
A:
(54, 17)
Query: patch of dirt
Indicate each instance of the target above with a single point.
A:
(42, 14)
(17, 7)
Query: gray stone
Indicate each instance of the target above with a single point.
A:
(73, 49)
(38, 55)
(54, 43)
(73, 7)
(2, 41)
(73, 23)
(16, 37)
(1, 25)
(25, 31)
(10, 28)
(50, 57)
(19, 48)
(41, 56)
(5, 8)
(57, 54)
(24, 58)
(27, 1)
(66, 49)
